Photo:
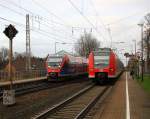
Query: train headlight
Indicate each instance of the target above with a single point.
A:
(91, 69)
(111, 69)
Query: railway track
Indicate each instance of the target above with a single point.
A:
(30, 89)
(36, 87)
(75, 107)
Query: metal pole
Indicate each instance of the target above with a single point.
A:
(10, 63)
(55, 47)
(142, 51)
(9, 95)
(135, 47)
(28, 48)
(138, 67)
(126, 63)
(110, 37)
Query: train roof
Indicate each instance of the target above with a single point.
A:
(102, 50)
(75, 59)
(72, 58)
(54, 58)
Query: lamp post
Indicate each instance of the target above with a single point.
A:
(59, 43)
(134, 46)
(142, 68)
(109, 31)
(55, 46)
(126, 55)
(117, 43)
(114, 48)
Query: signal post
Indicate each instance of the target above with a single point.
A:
(9, 95)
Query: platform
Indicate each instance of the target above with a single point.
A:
(4, 83)
(127, 101)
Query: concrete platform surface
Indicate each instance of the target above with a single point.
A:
(4, 83)
(127, 101)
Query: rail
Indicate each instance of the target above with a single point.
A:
(55, 109)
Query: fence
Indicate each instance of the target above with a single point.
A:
(18, 75)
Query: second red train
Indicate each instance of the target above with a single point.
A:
(103, 65)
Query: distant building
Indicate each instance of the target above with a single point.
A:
(61, 53)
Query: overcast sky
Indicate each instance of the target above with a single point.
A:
(52, 21)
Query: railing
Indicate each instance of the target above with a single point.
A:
(19, 75)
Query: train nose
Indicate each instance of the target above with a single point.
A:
(53, 74)
(102, 75)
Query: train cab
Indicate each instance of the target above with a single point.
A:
(65, 66)
(103, 65)
(54, 64)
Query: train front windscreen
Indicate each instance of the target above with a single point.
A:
(101, 59)
(54, 61)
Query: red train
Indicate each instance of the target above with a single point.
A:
(62, 67)
(103, 65)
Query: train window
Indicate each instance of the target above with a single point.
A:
(54, 64)
(101, 61)
(54, 61)
(101, 53)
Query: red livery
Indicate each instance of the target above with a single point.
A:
(104, 64)
(61, 67)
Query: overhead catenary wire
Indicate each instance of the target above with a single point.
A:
(19, 13)
(125, 30)
(11, 9)
(92, 4)
(16, 11)
(45, 33)
(127, 17)
(35, 14)
(32, 13)
(86, 18)
(100, 19)
(46, 25)
(28, 11)
(51, 13)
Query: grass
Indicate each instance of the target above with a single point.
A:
(145, 83)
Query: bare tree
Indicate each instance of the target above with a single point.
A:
(4, 53)
(147, 18)
(3, 57)
(147, 40)
(86, 44)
